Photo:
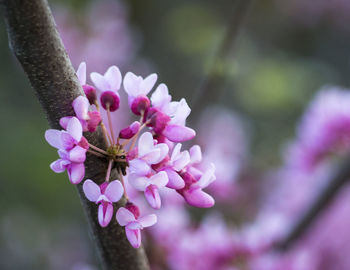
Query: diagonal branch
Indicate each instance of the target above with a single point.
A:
(208, 91)
(322, 201)
(34, 40)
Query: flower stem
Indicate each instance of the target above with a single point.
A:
(98, 149)
(123, 183)
(110, 124)
(109, 169)
(96, 153)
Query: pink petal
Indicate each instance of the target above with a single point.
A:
(81, 73)
(182, 111)
(176, 133)
(198, 198)
(91, 190)
(67, 140)
(131, 84)
(138, 182)
(148, 83)
(105, 213)
(134, 237)
(176, 152)
(164, 149)
(196, 154)
(59, 165)
(152, 157)
(77, 154)
(99, 81)
(153, 197)
(114, 78)
(81, 107)
(147, 221)
(160, 97)
(145, 144)
(75, 129)
(182, 160)
(64, 121)
(76, 172)
(53, 137)
(207, 177)
(114, 191)
(124, 216)
(175, 180)
(139, 167)
(160, 179)
(135, 225)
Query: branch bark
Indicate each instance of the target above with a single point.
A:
(34, 40)
(322, 201)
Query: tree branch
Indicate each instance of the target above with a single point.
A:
(34, 40)
(208, 91)
(322, 201)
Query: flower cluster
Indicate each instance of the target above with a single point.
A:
(148, 161)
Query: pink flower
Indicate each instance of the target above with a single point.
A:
(178, 161)
(134, 225)
(89, 90)
(148, 153)
(109, 84)
(195, 181)
(169, 118)
(104, 195)
(130, 131)
(72, 147)
(137, 89)
(88, 119)
(150, 186)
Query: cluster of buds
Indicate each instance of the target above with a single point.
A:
(147, 153)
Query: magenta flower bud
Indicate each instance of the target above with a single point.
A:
(133, 209)
(110, 99)
(140, 104)
(129, 131)
(157, 119)
(90, 93)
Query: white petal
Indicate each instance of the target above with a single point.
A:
(182, 161)
(148, 220)
(160, 179)
(53, 137)
(81, 107)
(131, 84)
(139, 167)
(124, 216)
(148, 83)
(207, 177)
(75, 129)
(196, 154)
(100, 81)
(160, 97)
(81, 73)
(114, 78)
(138, 182)
(114, 191)
(91, 190)
(164, 149)
(145, 144)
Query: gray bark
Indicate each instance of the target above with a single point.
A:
(34, 40)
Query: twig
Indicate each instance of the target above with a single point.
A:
(208, 91)
(322, 201)
(35, 42)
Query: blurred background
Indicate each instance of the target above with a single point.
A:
(269, 71)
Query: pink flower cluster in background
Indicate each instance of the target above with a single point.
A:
(146, 154)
